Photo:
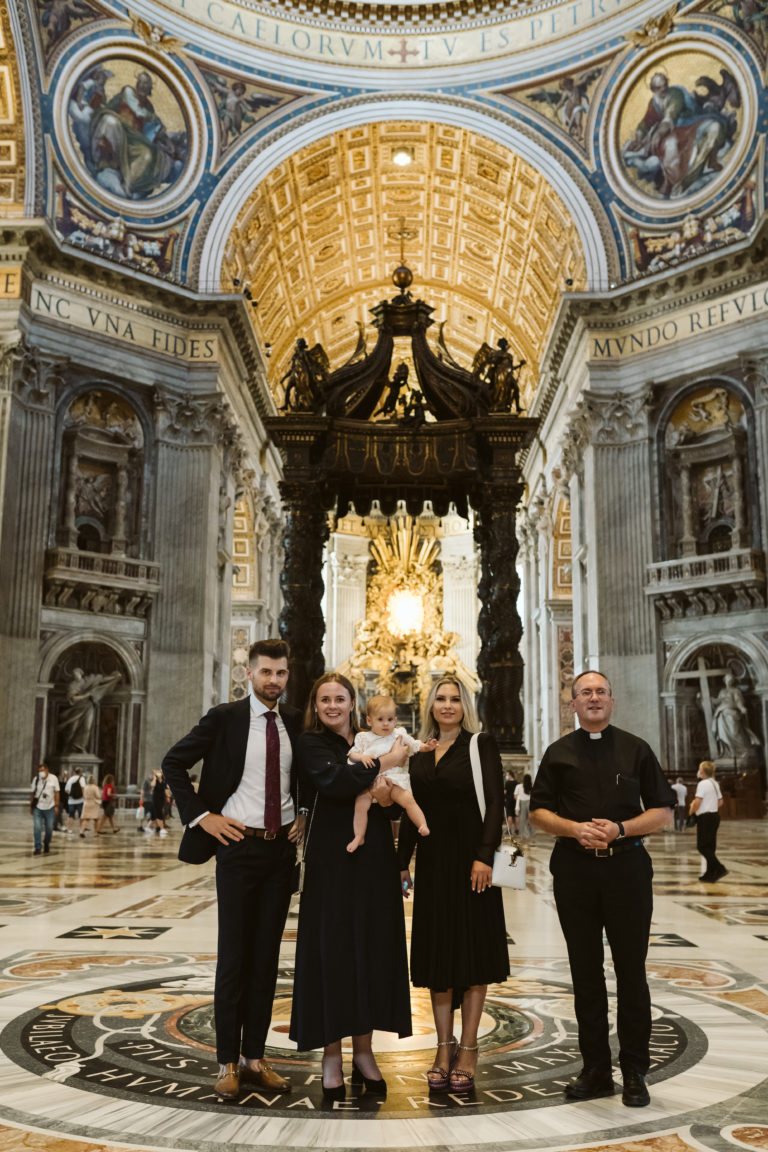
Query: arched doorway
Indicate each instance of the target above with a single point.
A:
(92, 709)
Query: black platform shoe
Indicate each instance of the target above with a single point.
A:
(375, 1087)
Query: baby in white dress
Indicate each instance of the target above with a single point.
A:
(368, 746)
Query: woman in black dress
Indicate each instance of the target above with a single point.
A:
(351, 962)
(458, 939)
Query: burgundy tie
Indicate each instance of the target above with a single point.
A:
(272, 805)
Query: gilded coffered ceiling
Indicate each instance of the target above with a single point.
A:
(491, 245)
(12, 156)
(383, 13)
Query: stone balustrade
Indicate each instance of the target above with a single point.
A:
(96, 582)
(706, 585)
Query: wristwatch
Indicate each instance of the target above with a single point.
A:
(620, 827)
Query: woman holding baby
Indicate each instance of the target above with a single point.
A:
(351, 965)
(351, 973)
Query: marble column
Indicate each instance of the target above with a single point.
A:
(187, 615)
(460, 604)
(305, 532)
(532, 680)
(347, 570)
(28, 388)
(499, 663)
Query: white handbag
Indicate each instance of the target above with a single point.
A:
(508, 859)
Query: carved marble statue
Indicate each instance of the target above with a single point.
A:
(84, 694)
(729, 721)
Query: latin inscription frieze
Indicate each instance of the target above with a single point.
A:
(121, 324)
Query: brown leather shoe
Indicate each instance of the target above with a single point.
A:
(266, 1077)
(227, 1086)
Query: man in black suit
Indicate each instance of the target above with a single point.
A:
(246, 811)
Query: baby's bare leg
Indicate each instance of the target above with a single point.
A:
(405, 799)
(360, 820)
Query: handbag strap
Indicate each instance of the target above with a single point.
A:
(477, 775)
(305, 841)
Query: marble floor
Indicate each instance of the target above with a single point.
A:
(106, 1034)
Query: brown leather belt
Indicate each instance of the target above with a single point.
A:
(262, 834)
(601, 853)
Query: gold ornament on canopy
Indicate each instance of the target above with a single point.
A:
(402, 637)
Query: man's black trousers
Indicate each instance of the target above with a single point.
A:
(611, 893)
(253, 885)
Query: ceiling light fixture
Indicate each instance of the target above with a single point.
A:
(402, 156)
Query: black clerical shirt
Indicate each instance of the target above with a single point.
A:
(614, 777)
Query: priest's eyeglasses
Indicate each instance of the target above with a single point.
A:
(588, 693)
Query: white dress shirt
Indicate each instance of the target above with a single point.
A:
(247, 801)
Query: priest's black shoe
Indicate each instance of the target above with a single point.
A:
(590, 1084)
(634, 1094)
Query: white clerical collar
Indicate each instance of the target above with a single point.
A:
(595, 735)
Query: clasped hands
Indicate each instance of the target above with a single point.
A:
(596, 833)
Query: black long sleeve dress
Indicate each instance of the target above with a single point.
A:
(351, 963)
(458, 937)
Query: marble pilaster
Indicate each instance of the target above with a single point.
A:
(188, 654)
(618, 533)
(29, 385)
(755, 373)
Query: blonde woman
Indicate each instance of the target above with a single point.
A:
(706, 806)
(459, 940)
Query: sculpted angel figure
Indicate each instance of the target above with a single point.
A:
(307, 376)
(495, 371)
(397, 384)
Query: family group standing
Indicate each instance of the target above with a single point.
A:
(266, 784)
(272, 779)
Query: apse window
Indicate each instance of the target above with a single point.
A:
(405, 612)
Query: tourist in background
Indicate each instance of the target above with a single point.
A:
(509, 802)
(75, 790)
(681, 808)
(92, 812)
(522, 807)
(351, 962)
(59, 820)
(107, 803)
(43, 804)
(160, 800)
(458, 939)
(706, 806)
(147, 788)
